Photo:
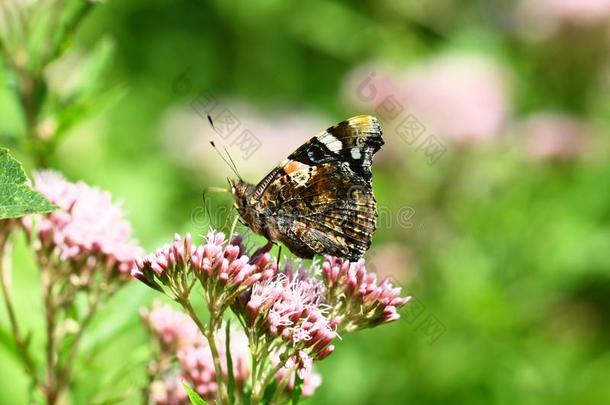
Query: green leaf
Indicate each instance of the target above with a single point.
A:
(193, 396)
(7, 343)
(17, 198)
(298, 386)
(231, 382)
(269, 391)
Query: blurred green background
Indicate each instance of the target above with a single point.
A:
(502, 238)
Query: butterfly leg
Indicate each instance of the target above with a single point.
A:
(279, 255)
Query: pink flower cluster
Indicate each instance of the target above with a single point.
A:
(291, 316)
(555, 136)
(185, 135)
(292, 310)
(356, 297)
(180, 339)
(463, 98)
(198, 364)
(173, 329)
(216, 261)
(88, 228)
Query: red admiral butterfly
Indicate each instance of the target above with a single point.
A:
(319, 200)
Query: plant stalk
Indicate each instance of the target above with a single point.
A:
(5, 277)
(209, 333)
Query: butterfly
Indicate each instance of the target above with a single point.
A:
(318, 201)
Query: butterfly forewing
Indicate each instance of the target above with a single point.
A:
(353, 141)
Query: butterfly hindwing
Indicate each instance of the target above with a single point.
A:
(327, 208)
(336, 231)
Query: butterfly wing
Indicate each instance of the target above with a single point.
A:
(353, 141)
(333, 213)
(320, 200)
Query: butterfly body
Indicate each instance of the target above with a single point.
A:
(319, 200)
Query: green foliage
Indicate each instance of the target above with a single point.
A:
(296, 392)
(509, 254)
(193, 396)
(17, 198)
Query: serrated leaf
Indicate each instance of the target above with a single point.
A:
(17, 198)
(193, 396)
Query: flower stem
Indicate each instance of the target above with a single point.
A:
(279, 390)
(65, 373)
(254, 367)
(52, 391)
(209, 333)
(261, 384)
(5, 277)
(222, 388)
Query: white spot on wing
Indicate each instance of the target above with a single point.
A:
(356, 154)
(331, 142)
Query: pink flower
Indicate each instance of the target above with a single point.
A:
(227, 264)
(168, 391)
(394, 261)
(186, 133)
(215, 263)
(181, 339)
(292, 311)
(370, 83)
(165, 263)
(88, 228)
(356, 297)
(198, 366)
(554, 136)
(311, 381)
(462, 98)
(173, 329)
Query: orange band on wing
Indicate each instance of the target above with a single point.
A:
(292, 167)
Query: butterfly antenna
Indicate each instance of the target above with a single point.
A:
(227, 162)
(230, 162)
